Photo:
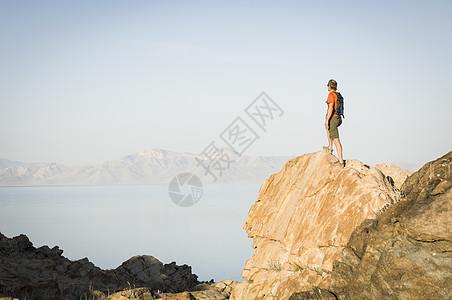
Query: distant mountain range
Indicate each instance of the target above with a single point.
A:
(150, 166)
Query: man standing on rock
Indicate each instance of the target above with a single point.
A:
(333, 121)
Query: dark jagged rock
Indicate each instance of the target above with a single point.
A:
(406, 252)
(43, 273)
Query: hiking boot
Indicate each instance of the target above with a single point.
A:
(337, 163)
(327, 150)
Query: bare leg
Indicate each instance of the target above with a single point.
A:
(330, 142)
(337, 142)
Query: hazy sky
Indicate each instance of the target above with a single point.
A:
(88, 81)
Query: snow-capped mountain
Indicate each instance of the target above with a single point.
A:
(146, 167)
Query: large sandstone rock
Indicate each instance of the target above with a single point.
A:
(43, 273)
(301, 221)
(406, 253)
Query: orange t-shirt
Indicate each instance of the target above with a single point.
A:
(332, 98)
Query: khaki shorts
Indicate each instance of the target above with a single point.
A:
(335, 122)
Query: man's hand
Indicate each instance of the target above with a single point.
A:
(326, 125)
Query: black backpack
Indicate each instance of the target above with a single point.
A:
(340, 105)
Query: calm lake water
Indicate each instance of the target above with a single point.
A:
(109, 224)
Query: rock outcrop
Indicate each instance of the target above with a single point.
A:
(394, 173)
(406, 252)
(302, 219)
(43, 273)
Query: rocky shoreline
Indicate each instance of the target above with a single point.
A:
(44, 273)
